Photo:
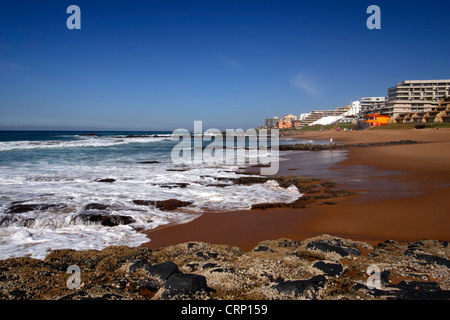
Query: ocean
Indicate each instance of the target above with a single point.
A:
(78, 190)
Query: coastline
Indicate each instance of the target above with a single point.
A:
(404, 199)
(282, 253)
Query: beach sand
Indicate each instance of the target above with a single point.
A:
(403, 190)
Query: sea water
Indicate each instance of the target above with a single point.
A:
(49, 180)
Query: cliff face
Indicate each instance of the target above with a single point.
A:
(323, 267)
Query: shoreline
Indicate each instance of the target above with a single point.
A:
(403, 200)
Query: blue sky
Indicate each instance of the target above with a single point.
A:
(160, 65)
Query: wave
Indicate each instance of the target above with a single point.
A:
(82, 142)
(45, 206)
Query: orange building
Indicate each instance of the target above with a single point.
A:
(284, 124)
(376, 119)
(295, 123)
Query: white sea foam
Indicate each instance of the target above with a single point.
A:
(69, 187)
(80, 142)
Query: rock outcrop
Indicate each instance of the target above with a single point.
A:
(323, 267)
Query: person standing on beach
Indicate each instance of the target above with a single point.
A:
(331, 141)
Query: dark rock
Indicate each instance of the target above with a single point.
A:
(340, 193)
(89, 135)
(209, 265)
(300, 287)
(96, 206)
(149, 162)
(421, 290)
(432, 259)
(206, 255)
(18, 294)
(192, 266)
(139, 136)
(174, 185)
(16, 220)
(107, 180)
(419, 285)
(145, 286)
(143, 202)
(385, 277)
(180, 284)
(137, 264)
(162, 270)
(171, 204)
(262, 248)
(111, 296)
(328, 184)
(106, 220)
(21, 208)
(424, 295)
(224, 270)
(331, 269)
(333, 245)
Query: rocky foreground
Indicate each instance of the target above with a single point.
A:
(323, 267)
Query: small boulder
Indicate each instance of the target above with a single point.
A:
(301, 287)
(331, 269)
(334, 246)
(183, 285)
(162, 270)
(107, 220)
(107, 180)
(171, 204)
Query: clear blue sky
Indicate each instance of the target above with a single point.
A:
(160, 65)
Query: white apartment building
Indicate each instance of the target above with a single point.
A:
(369, 105)
(355, 108)
(272, 122)
(289, 117)
(415, 96)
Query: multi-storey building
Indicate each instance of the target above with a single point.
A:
(415, 96)
(272, 122)
(289, 117)
(370, 105)
(316, 115)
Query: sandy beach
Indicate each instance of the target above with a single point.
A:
(403, 191)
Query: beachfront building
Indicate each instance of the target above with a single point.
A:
(412, 96)
(315, 115)
(284, 124)
(376, 119)
(295, 123)
(355, 108)
(289, 118)
(439, 114)
(302, 116)
(341, 110)
(371, 105)
(271, 122)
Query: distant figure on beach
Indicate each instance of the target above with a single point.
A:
(331, 141)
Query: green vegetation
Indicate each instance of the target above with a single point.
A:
(395, 126)
(440, 125)
(319, 127)
(410, 126)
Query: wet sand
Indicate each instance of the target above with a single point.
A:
(403, 196)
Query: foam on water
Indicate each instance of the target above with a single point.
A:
(80, 142)
(62, 184)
